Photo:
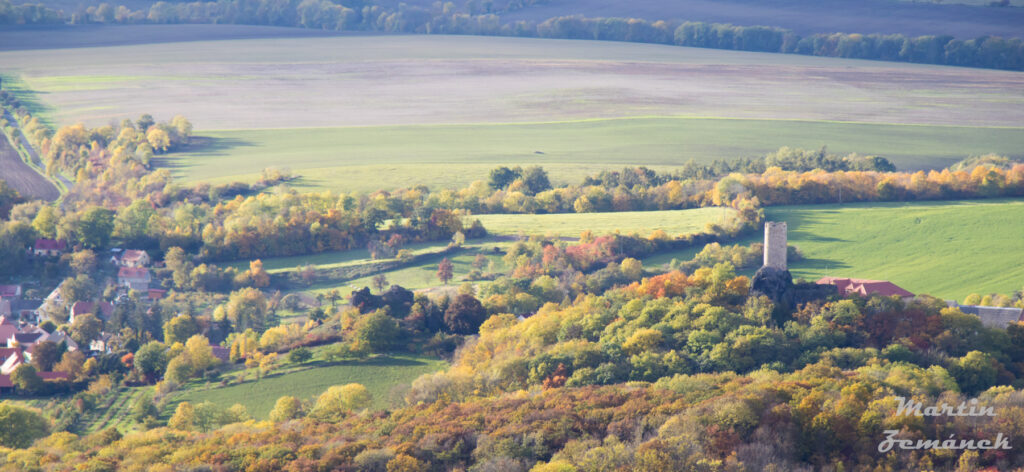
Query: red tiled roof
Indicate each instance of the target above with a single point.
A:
(51, 244)
(80, 308)
(156, 293)
(221, 353)
(53, 375)
(133, 255)
(865, 287)
(133, 273)
(6, 352)
(5, 381)
(10, 290)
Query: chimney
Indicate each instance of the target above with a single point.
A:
(775, 244)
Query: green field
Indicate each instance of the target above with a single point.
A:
(455, 155)
(360, 113)
(945, 249)
(383, 376)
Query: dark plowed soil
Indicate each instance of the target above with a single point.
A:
(23, 178)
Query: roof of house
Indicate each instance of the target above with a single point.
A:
(994, 316)
(105, 309)
(51, 244)
(53, 375)
(156, 293)
(6, 352)
(10, 290)
(133, 273)
(5, 381)
(865, 286)
(25, 304)
(27, 338)
(133, 255)
(222, 353)
(7, 329)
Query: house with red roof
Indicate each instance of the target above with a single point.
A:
(134, 258)
(10, 291)
(134, 278)
(101, 310)
(49, 247)
(866, 287)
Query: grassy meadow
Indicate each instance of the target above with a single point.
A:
(385, 377)
(945, 249)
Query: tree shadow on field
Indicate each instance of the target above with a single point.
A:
(210, 147)
(214, 146)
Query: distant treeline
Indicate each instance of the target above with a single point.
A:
(987, 51)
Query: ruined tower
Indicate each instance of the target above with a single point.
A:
(775, 244)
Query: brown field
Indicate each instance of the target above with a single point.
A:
(398, 80)
(23, 178)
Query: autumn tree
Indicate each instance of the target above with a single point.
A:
(247, 308)
(26, 378)
(465, 315)
(286, 408)
(184, 417)
(445, 271)
(45, 355)
(179, 329)
(84, 261)
(380, 282)
(95, 227)
(338, 400)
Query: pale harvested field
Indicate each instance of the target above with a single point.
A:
(390, 80)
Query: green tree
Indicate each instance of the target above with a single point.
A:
(86, 329)
(300, 355)
(20, 427)
(502, 177)
(95, 227)
(536, 180)
(378, 330)
(45, 222)
(26, 379)
(179, 329)
(151, 359)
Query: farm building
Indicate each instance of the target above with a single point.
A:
(993, 316)
(10, 291)
(49, 247)
(865, 287)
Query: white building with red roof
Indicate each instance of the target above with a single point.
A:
(135, 278)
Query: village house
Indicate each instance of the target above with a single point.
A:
(134, 258)
(101, 310)
(8, 292)
(134, 278)
(866, 287)
(49, 247)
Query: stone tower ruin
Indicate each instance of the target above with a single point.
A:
(775, 244)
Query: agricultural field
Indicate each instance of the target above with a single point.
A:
(21, 176)
(673, 222)
(945, 249)
(384, 376)
(358, 113)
